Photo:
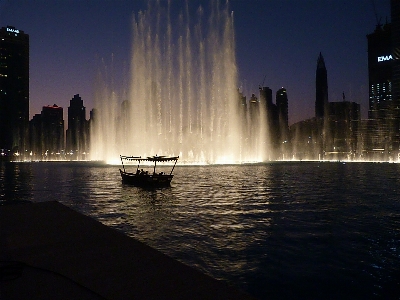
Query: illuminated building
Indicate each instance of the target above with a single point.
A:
(395, 22)
(382, 130)
(14, 90)
(321, 88)
(380, 61)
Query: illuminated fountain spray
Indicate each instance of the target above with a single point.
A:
(183, 97)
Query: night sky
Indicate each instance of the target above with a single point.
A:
(277, 43)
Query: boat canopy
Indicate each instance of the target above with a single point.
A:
(155, 158)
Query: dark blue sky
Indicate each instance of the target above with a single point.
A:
(278, 40)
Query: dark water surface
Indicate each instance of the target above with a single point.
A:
(277, 231)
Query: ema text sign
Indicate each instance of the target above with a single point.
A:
(385, 58)
(12, 30)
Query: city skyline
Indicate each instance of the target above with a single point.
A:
(69, 40)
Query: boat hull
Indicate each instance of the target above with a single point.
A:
(146, 180)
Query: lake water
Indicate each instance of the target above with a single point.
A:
(277, 231)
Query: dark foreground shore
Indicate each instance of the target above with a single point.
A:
(49, 251)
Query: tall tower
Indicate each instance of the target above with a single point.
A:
(14, 90)
(321, 88)
(283, 114)
(77, 127)
(395, 18)
(266, 100)
(282, 105)
(271, 114)
(380, 63)
(52, 131)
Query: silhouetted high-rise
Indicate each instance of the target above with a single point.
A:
(283, 114)
(321, 88)
(14, 90)
(52, 131)
(271, 114)
(77, 126)
(282, 105)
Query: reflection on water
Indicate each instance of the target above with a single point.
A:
(281, 230)
(15, 182)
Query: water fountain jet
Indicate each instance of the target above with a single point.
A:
(183, 97)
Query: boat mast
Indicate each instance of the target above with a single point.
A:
(176, 160)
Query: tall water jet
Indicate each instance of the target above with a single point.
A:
(183, 97)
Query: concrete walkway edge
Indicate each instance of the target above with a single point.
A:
(49, 251)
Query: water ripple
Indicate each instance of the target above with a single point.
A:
(281, 230)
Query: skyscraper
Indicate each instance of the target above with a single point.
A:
(321, 88)
(382, 134)
(395, 18)
(271, 115)
(14, 90)
(77, 127)
(52, 131)
(283, 114)
(380, 61)
(282, 105)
